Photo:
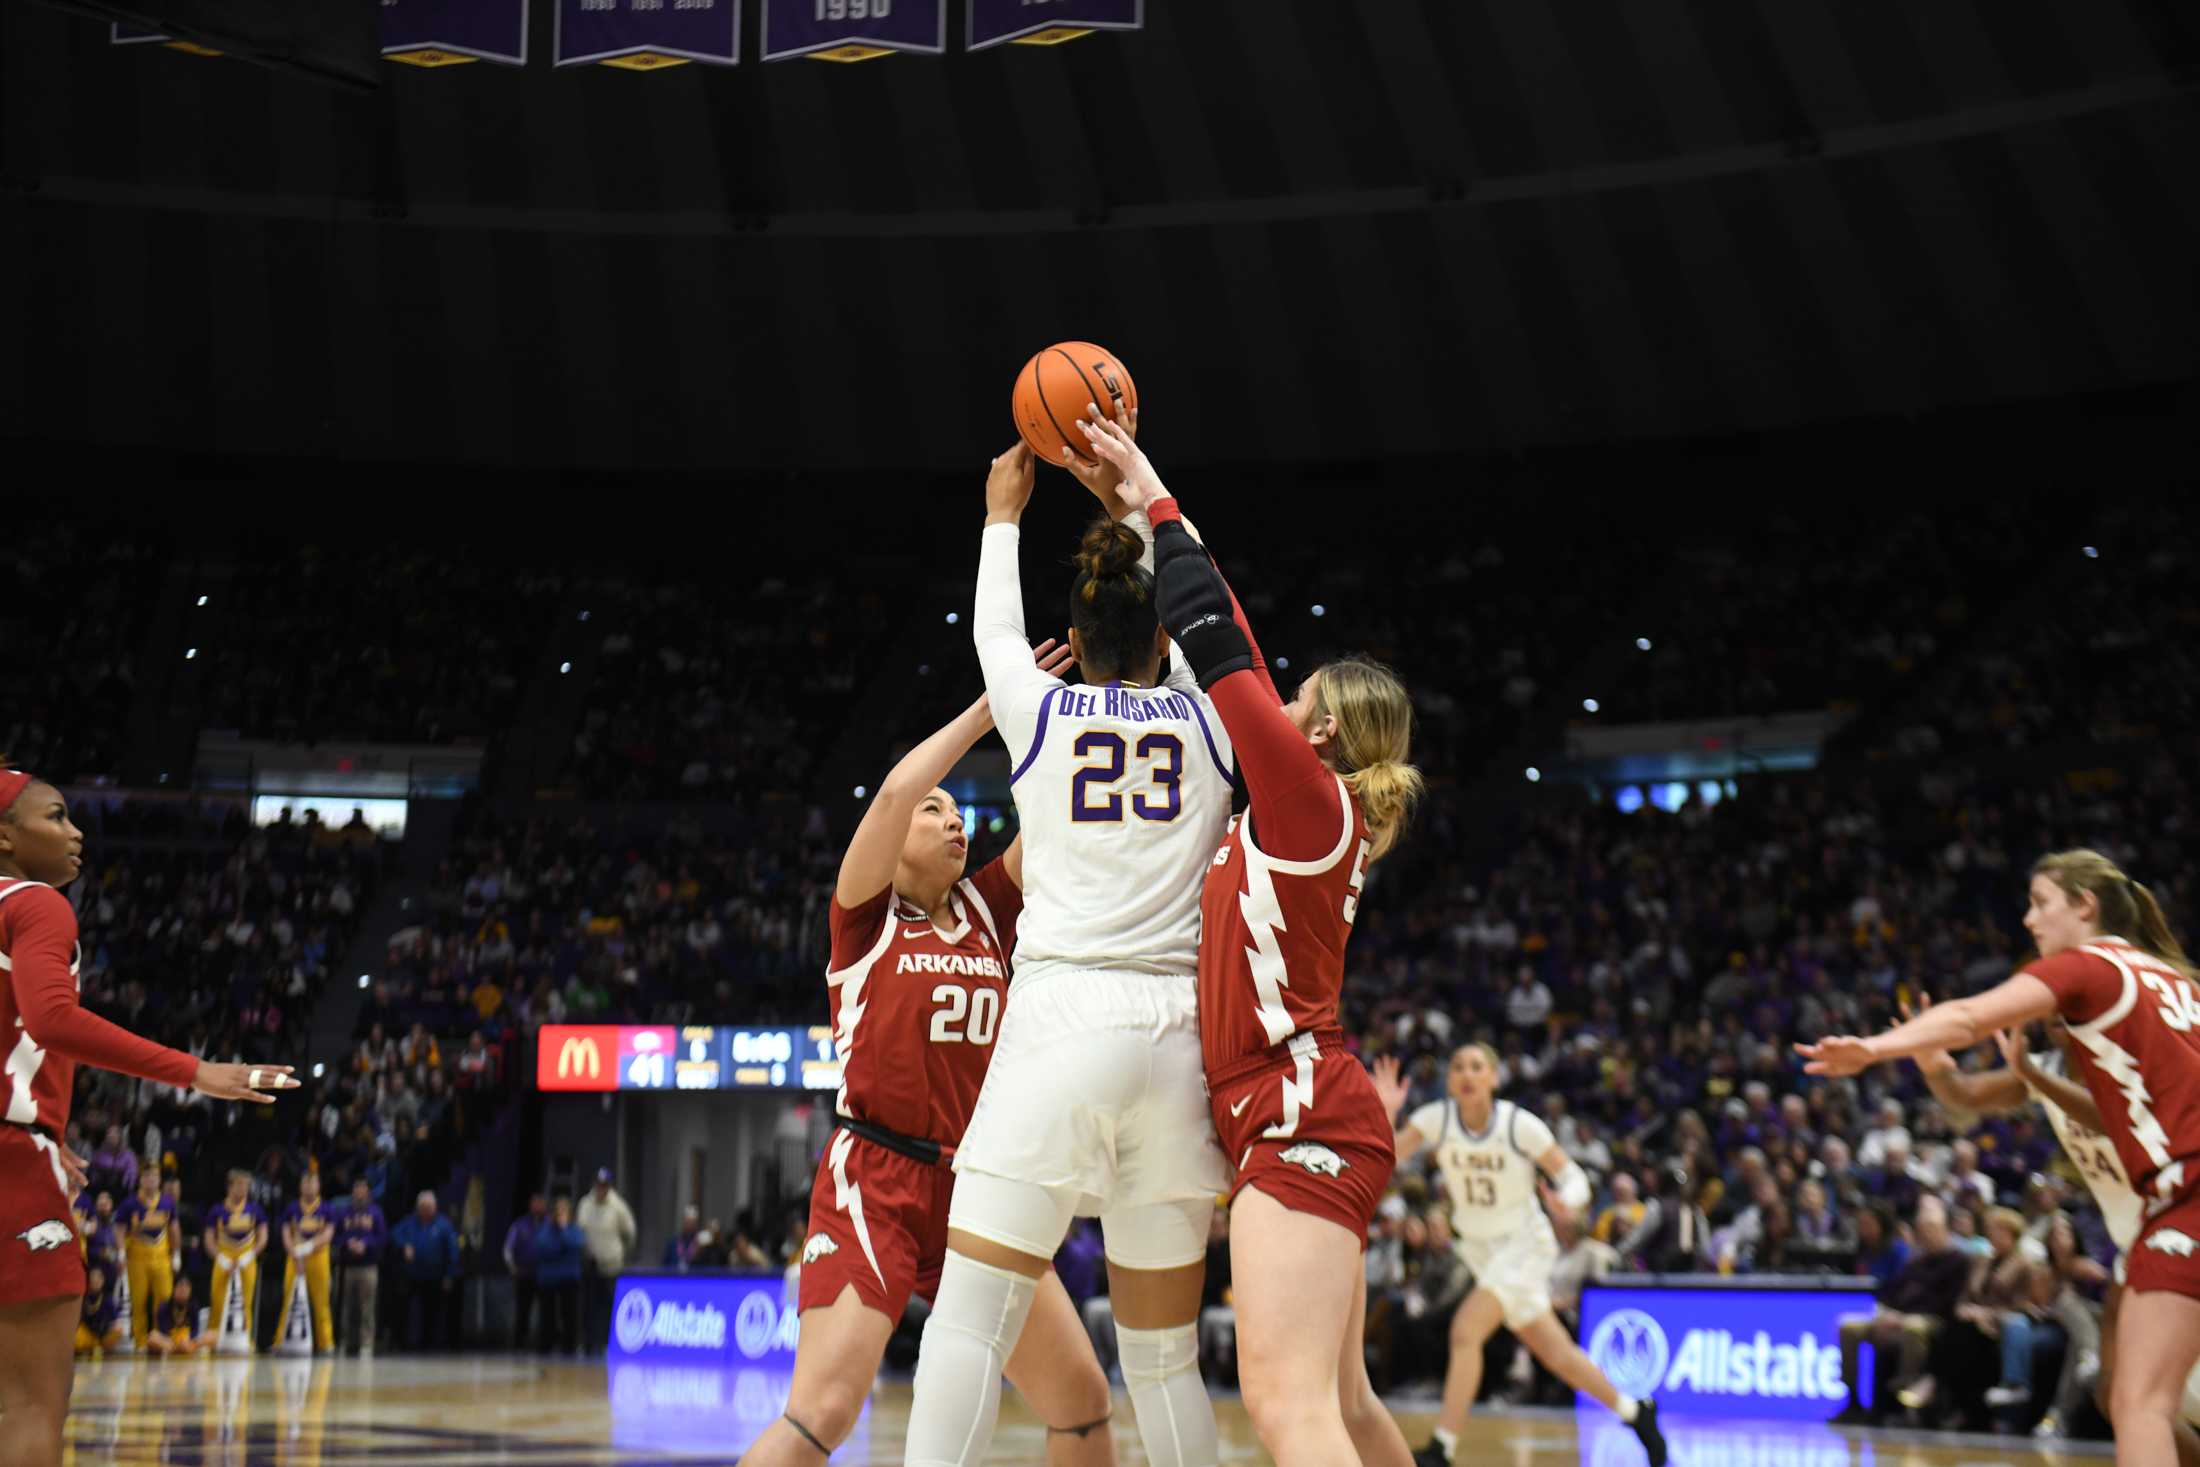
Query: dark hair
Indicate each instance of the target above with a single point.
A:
(2128, 910)
(1111, 601)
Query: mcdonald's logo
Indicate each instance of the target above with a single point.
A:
(577, 1054)
(573, 1057)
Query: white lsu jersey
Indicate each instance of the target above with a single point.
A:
(2094, 1155)
(1123, 794)
(1490, 1175)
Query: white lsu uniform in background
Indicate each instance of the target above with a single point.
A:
(2122, 1208)
(1490, 1176)
(1096, 1092)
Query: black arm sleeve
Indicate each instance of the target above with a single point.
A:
(1195, 606)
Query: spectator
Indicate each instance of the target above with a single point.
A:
(519, 1257)
(1823, 1238)
(1872, 1154)
(1881, 1250)
(1528, 1003)
(560, 1246)
(1913, 1308)
(2076, 1281)
(2004, 1305)
(608, 1224)
(681, 1247)
(1622, 1214)
(428, 1254)
(361, 1236)
(114, 1166)
(1673, 1236)
(1965, 1182)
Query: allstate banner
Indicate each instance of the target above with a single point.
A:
(1048, 22)
(647, 35)
(853, 30)
(1763, 1353)
(453, 32)
(706, 1319)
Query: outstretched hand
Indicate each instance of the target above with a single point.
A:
(1840, 1054)
(1390, 1085)
(1141, 485)
(242, 1082)
(1008, 484)
(1098, 475)
(2015, 1051)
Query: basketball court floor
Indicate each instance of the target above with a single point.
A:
(455, 1411)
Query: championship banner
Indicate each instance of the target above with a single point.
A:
(647, 35)
(453, 32)
(853, 30)
(1048, 22)
(137, 35)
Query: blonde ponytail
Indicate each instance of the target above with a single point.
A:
(1374, 736)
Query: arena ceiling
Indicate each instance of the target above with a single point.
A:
(1316, 232)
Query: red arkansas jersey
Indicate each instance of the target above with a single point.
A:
(1271, 955)
(39, 978)
(2137, 1023)
(915, 1007)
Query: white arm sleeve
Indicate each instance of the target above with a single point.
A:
(1013, 684)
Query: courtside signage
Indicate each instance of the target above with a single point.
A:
(703, 1319)
(1763, 1353)
(694, 1057)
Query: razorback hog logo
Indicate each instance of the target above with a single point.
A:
(1318, 1159)
(818, 1246)
(50, 1234)
(2169, 1240)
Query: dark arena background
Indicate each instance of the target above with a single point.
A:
(481, 523)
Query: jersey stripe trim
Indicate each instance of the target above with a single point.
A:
(977, 904)
(2121, 1008)
(1039, 734)
(1199, 711)
(854, 976)
(1307, 868)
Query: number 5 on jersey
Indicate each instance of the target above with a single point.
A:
(981, 1006)
(1095, 790)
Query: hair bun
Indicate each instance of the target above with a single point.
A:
(1110, 548)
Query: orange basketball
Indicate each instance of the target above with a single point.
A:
(1055, 385)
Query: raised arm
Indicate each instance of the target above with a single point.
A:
(1390, 1089)
(1945, 1026)
(997, 621)
(1993, 1093)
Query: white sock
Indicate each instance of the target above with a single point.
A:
(1176, 1421)
(1626, 1409)
(1448, 1439)
(979, 1312)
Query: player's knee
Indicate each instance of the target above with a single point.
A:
(1467, 1332)
(828, 1411)
(1279, 1405)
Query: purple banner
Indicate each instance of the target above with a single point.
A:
(645, 35)
(1048, 22)
(853, 30)
(448, 32)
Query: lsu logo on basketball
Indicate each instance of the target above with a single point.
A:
(1316, 1158)
(2169, 1240)
(52, 1234)
(819, 1245)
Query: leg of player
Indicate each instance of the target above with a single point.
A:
(1547, 1339)
(986, 1292)
(1478, 1317)
(1157, 1271)
(1054, 1370)
(1374, 1431)
(35, 1340)
(1157, 1335)
(2159, 1344)
(834, 1365)
(1292, 1285)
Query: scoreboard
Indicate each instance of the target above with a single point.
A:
(689, 1057)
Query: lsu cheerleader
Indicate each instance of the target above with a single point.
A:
(236, 1236)
(151, 1242)
(309, 1226)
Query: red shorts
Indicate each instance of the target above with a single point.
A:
(40, 1257)
(2166, 1254)
(878, 1220)
(1333, 1157)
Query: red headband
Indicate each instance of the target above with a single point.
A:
(12, 784)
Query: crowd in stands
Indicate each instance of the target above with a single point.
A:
(80, 599)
